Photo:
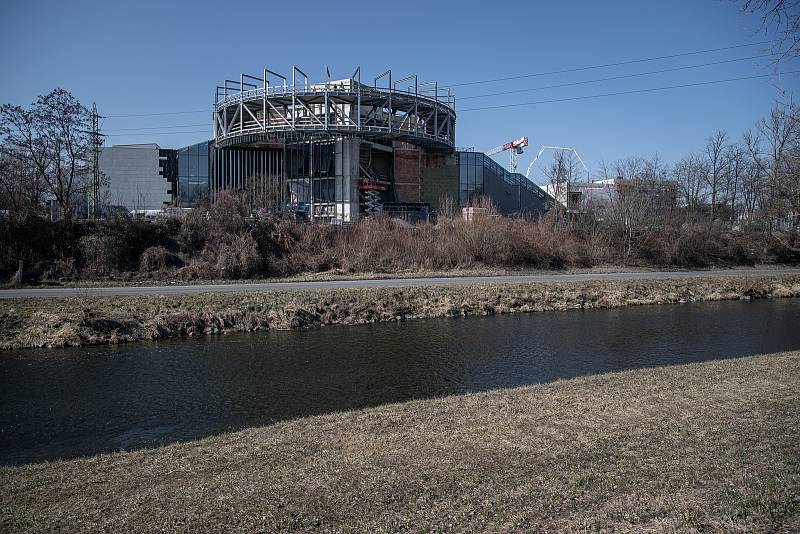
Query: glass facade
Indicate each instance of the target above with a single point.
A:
(192, 174)
(470, 176)
(478, 175)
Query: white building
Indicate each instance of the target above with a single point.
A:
(580, 194)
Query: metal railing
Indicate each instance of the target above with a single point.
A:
(252, 104)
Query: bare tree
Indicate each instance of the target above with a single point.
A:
(642, 200)
(783, 17)
(715, 148)
(630, 168)
(52, 138)
(23, 158)
(752, 186)
(774, 149)
(605, 171)
(564, 171)
(655, 169)
(64, 125)
(21, 189)
(691, 173)
(735, 169)
(630, 214)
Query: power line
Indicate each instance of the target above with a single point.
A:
(551, 101)
(160, 133)
(605, 65)
(157, 127)
(501, 106)
(620, 77)
(517, 77)
(650, 90)
(164, 113)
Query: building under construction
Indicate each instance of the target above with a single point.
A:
(335, 151)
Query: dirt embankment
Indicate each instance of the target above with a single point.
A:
(75, 321)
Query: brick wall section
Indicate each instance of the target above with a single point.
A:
(424, 176)
(440, 182)
(407, 162)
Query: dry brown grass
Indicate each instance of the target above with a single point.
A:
(73, 321)
(701, 447)
(388, 245)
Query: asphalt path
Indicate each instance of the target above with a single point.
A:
(389, 282)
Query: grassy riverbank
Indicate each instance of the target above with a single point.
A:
(75, 321)
(161, 279)
(709, 446)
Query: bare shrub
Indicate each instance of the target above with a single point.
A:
(447, 250)
(101, 254)
(305, 248)
(197, 269)
(236, 256)
(267, 245)
(157, 259)
(228, 215)
(484, 240)
(389, 245)
(448, 208)
(60, 268)
(380, 245)
(538, 246)
(194, 231)
(780, 247)
(274, 235)
(700, 245)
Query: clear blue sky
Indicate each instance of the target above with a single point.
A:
(152, 57)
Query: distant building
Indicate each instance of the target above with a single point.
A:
(330, 152)
(138, 177)
(193, 171)
(510, 192)
(579, 197)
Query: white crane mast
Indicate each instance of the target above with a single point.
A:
(515, 147)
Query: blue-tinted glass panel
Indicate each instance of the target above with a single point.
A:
(193, 160)
(183, 191)
(203, 161)
(183, 162)
(193, 173)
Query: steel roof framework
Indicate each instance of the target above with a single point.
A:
(274, 107)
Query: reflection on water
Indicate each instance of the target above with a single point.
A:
(72, 402)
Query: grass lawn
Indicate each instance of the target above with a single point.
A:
(711, 446)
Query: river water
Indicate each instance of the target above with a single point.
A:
(64, 403)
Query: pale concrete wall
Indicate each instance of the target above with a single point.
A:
(133, 181)
(347, 179)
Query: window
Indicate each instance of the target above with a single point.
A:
(193, 174)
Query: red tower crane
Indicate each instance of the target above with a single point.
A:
(515, 147)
